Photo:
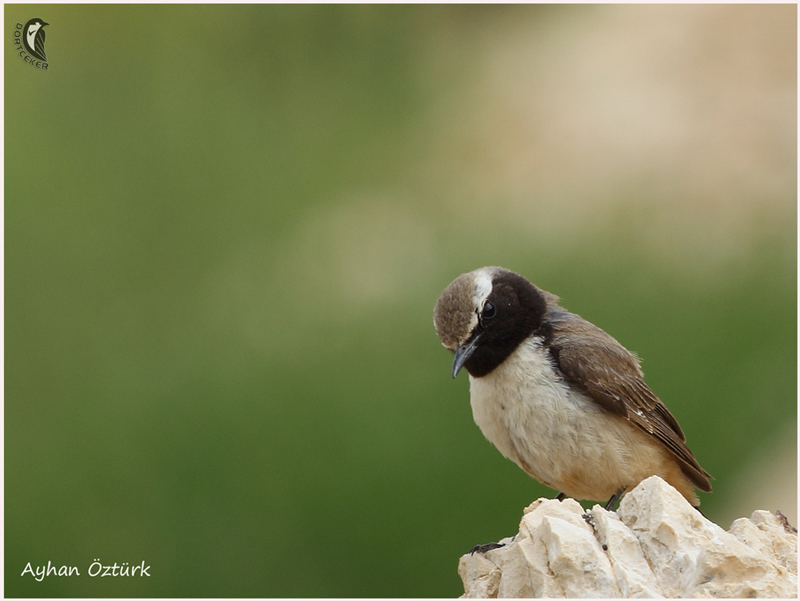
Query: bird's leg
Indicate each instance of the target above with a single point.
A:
(614, 499)
(560, 496)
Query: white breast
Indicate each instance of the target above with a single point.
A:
(553, 432)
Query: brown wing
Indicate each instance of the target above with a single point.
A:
(610, 375)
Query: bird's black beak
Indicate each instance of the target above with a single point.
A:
(463, 353)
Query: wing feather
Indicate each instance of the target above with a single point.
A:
(610, 375)
(38, 43)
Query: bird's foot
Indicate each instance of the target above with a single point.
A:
(560, 496)
(485, 548)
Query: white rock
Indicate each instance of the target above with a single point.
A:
(482, 574)
(634, 577)
(657, 545)
(766, 532)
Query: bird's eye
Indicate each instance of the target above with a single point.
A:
(489, 310)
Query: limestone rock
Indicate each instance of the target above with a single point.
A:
(656, 545)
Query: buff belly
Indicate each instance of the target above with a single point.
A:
(562, 438)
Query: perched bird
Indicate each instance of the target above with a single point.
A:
(33, 38)
(557, 395)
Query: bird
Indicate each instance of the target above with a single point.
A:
(33, 38)
(557, 395)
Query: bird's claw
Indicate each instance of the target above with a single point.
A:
(485, 548)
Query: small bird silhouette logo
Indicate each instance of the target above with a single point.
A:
(33, 38)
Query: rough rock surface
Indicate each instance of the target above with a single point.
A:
(655, 545)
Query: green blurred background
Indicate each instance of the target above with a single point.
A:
(226, 228)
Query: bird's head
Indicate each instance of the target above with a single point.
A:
(484, 315)
(35, 25)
